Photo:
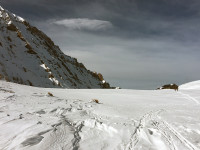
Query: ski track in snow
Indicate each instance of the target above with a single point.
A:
(135, 136)
(55, 123)
(188, 97)
(162, 126)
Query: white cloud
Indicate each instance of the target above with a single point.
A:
(85, 24)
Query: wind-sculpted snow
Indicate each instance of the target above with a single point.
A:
(30, 119)
(28, 56)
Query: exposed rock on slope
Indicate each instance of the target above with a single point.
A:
(169, 86)
(28, 56)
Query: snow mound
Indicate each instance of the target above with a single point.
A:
(195, 85)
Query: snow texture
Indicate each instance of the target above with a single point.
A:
(191, 86)
(67, 119)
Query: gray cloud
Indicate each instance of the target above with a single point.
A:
(133, 63)
(144, 43)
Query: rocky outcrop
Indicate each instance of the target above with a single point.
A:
(169, 86)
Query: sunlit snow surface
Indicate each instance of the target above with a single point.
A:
(30, 119)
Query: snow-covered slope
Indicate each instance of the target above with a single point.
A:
(30, 119)
(28, 56)
(191, 86)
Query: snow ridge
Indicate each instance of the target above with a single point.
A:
(195, 85)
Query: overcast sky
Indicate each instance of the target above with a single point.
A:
(140, 44)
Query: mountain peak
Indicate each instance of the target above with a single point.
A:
(8, 17)
(29, 56)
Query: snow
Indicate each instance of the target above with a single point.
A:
(20, 19)
(191, 86)
(43, 66)
(123, 119)
(1, 8)
(10, 22)
(31, 118)
(54, 80)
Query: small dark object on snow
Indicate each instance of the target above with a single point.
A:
(50, 94)
(96, 101)
(20, 116)
(39, 122)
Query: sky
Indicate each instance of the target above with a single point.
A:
(135, 44)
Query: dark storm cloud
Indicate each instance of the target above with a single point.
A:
(141, 17)
(134, 43)
(110, 9)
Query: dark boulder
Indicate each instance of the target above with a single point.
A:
(169, 86)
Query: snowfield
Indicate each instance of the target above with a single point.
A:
(191, 86)
(31, 119)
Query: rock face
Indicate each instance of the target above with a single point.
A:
(28, 56)
(169, 86)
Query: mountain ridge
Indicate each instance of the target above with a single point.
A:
(28, 56)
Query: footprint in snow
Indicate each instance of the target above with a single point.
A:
(150, 132)
(41, 112)
(35, 139)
